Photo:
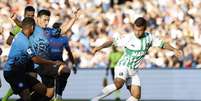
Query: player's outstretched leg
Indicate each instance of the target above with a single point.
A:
(118, 83)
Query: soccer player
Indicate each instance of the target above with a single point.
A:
(41, 44)
(28, 12)
(57, 44)
(20, 60)
(135, 46)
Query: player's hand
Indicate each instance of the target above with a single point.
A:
(13, 16)
(59, 63)
(74, 69)
(94, 50)
(178, 53)
(63, 69)
(77, 13)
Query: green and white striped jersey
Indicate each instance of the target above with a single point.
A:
(134, 48)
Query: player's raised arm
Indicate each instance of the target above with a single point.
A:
(104, 45)
(177, 52)
(68, 24)
(16, 20)
(156, 42)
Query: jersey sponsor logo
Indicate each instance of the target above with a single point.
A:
(141, 53)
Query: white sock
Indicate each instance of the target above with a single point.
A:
(132, 99)
(117, 94)
(106, 91)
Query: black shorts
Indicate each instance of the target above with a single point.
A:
(48, 75)
(30, 69)
(19, 81)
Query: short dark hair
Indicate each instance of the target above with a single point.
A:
(57, 30)
(43, 12)
(56, 25)
(29, 8)
(141, 22)
(28, 22)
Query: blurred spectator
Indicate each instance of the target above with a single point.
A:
(199, 61)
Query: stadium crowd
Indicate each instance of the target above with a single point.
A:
(175, 21)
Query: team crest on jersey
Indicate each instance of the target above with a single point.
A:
(29, 51)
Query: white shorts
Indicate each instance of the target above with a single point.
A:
(129, 75)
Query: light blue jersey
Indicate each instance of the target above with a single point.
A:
(39, 42)
(20, 54)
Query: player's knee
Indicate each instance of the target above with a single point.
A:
(137, 95)
(50, 92)
(40, 88)
(119, 86)
(119, 83)
(136, 92)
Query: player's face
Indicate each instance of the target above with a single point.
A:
(30, 30)
(43, 21)
(29, 14)
(139, 31)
